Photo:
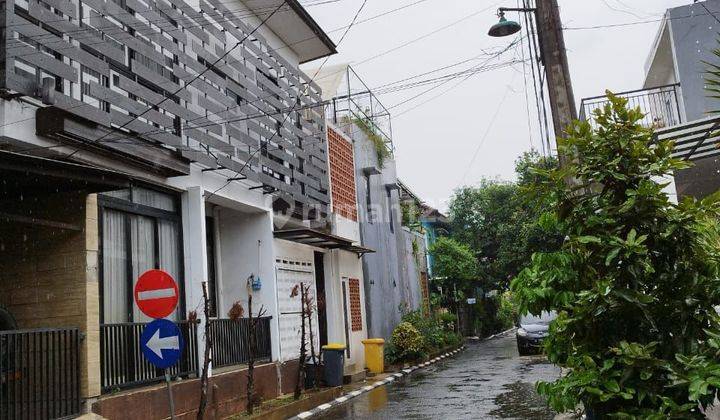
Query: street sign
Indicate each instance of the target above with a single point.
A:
(161, 343)
(471, 301)
(156, 294)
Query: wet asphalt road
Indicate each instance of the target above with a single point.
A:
(486, 381)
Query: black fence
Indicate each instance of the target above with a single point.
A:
(230, 341)
(660, 105)
(39, 373)
(124, 366)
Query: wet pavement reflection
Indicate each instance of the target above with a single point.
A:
(489, 380)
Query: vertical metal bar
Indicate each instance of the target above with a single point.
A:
(11, 387)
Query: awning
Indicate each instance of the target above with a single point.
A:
(312, 237)
(25, 175)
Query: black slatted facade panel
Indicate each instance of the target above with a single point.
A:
(108, 61)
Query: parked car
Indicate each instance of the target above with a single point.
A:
(531, 332)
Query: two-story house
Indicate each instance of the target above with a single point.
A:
(152, 134)
(675, 98)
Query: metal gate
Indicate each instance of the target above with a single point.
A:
(289, 274)
(39, 373)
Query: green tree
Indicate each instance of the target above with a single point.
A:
(454, 261)
(635, 282)
(498, 220)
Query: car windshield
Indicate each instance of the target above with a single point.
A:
(545, 318)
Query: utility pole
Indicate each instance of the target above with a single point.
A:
(554, 56)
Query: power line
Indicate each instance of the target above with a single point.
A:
(382, 14)
(261, 114)
(412, 41)
(487, 131)
(642, 22)
(250, 158)
(525, 84)
(448, 80)
(205, 70)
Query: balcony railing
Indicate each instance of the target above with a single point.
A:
(39, 373)
(124, 366)
(659, 104)
(355, 101)
(230, 341)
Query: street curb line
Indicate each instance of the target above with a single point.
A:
(346, 397)
(500, 333)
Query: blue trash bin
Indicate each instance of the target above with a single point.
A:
(334, 361)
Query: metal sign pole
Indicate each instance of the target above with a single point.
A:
(170, 395)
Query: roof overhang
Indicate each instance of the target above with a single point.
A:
(315, 238)
(295, 27)
(659, 66)
(26, 178)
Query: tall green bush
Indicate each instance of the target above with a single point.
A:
(635, 282)
(407, 341)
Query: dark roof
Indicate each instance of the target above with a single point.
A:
(312, 237)
(315, 27)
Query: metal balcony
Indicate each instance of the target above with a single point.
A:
(659, 104)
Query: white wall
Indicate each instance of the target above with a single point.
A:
(341, 266)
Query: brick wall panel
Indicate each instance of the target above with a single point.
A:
(342, 175)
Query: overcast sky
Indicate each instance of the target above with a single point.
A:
(436, 141)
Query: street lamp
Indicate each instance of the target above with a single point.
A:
(504, 27)
(508, 27)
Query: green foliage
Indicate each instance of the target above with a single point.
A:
(436, 333)
(407, 342)
(453, 260)
(382, 150)
(411, 214)
(712, 79)
(498, 221)
(507, 313)
(635, 281)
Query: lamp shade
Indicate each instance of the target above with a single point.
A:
(504, 28)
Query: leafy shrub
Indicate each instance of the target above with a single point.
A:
(407, 342)
(430, 329)
(447, 320)
(507, 313)
(635, 282)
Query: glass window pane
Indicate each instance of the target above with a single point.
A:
(154, 199)
(142, 234)
(169, 236)
(121, 194)
(115, 287)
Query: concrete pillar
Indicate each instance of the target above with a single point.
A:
(91, 386)
(195, 253)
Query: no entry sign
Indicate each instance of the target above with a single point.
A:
(156, 294)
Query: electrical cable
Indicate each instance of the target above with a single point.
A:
(283, 47)
(205, 70)
(527, 96)
(342, 38)
(446, 81)
(487, 131)
(259, 115)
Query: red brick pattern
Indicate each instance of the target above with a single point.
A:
(355, 310)
(342, 176)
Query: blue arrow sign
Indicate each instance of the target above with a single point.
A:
(162, 343)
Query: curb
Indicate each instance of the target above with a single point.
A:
(500, 333)
(346, 397)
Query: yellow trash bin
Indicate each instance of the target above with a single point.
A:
(374, 354)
